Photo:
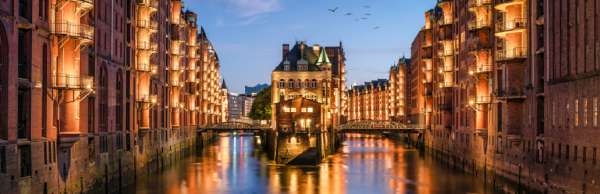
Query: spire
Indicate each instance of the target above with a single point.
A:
(223, 85)
(323, 58)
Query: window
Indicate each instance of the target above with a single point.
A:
(119, 102)
(576, 113)
(298, 83)
(309, 109)
(292, 109)
(281, 83)
(313, 83)
(291, 83)
(91, 149)
(25, 160)
(595, 112)
(585, 112)
(286, 109)
(286, 67)
(2, 159)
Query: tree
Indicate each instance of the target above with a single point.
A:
(261, 108)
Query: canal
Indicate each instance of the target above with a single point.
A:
(364, 164)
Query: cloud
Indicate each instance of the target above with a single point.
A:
(253, 8)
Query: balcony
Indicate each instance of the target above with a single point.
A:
(445, 21)
(149, 99)
(517, 53)
(446, 84)
(147, 46)
(481, 68)
(477, 45)
(146, 67)
(483, 100)
(502, 5)
(515, 25)
(82, 5)
(152, 4)
(77, 31)
(147, 24)
(475, 25)
(72, 82)
(445, 52)
(479, 3)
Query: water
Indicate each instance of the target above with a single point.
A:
(365, 164)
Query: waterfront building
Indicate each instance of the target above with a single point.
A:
(512, 89)
(97, 90)
(311, 73)
(369, 101)
(397, 90)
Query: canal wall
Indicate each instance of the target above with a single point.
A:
(513, 164)
(102, 163)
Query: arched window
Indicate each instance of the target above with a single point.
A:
(103, 93)
(298, 83)
(291, 83)
(313, 83)
(281, 83)
(119, 102)
(306, 83)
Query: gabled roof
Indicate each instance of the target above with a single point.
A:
(323, 58)
(299, 54)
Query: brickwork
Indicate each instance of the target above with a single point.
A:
(87, 92)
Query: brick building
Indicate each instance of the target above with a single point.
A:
(97, 90)
(513, 88)
(369, 101)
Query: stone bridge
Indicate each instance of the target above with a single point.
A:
(235, 126)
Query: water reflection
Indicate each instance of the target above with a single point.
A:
(365, 164)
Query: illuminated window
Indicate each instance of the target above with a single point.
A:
(309, 109)
(585, 112)
(292, 109)
(595, 114)
(577, 113)
(286, 109)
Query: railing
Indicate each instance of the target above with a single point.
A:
(476, 44)
(148, 3)
(514, 53)
(72, 81)
(511, 92)
(445, 21)
(483, 99)
(147, 99)
(149, 46)
(147, 24)
(510, 25)
(446, 84)
(482, 68)
(146, 67)
(445, 52)
(74, 30)
(499, 2)
(478, 3)
(478, 24)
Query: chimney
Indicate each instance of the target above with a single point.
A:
(285, 50)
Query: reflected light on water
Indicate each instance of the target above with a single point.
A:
(365, 164)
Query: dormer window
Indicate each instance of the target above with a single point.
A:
(302, 67)
(286, 67)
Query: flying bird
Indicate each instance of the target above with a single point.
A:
(364, 18)
(367, 6)
(376, 28)
(368, 14)
(348, 14)
(333, 10)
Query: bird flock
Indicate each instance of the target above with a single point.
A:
(357, 17)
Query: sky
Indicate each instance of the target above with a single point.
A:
(248, 34)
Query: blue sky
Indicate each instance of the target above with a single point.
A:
(248, 34)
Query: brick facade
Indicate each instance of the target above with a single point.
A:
(90, 94)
